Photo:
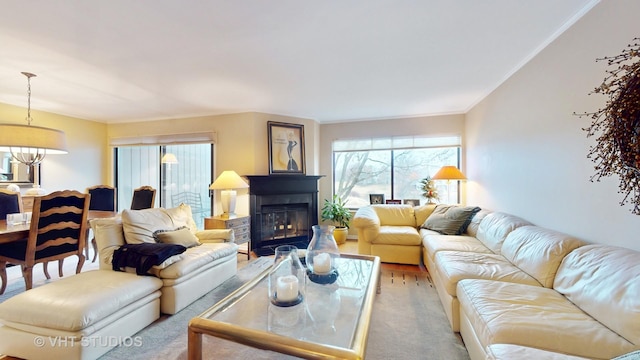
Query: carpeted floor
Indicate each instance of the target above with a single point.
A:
(408, 322)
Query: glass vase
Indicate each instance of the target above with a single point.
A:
(287, 278)
(322, 255)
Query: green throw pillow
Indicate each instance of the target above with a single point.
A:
(450, 219)
(181, 236)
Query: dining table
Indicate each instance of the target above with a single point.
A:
(20, 232)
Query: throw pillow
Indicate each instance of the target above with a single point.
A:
(181, 236)
(181, 215)
(139, 225)
(450, 219)
(109, 236)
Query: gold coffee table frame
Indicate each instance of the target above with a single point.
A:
(203, 324)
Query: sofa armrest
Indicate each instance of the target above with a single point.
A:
(215, 235)
(367, 222)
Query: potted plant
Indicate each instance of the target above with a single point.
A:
(336, 212)
(429, 190)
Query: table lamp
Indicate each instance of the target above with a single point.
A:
(227, 182)
(449, 173)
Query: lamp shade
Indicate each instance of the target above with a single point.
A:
(169, 158)
(31, 139)
(449, 173)
(228, 180)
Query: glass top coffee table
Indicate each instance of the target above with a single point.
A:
(332, 321)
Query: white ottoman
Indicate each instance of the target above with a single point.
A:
(79, 317)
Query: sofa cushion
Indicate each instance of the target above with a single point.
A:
(453, 266)
(434, 242)
(180, 236)
(395, 215)
(535, 316)
(510, 352)
(538, 251)
(450, 219)
(495, 227)
(398, 235)
(604, 282)
(423, 212)
(197, 257)
(472, 229)
(77, 302)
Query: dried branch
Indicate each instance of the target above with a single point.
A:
(617, 125)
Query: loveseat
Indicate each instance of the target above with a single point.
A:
(85, 315)
(516, 290)
(185, 277)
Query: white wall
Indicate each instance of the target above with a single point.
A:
(526, 152)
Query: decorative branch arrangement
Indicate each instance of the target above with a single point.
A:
(617, 125)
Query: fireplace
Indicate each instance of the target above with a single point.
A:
(283, 209)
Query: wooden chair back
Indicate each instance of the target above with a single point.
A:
(103, 198)
(10, 203)
(58, 230)
(144, 197)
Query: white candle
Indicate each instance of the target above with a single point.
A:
(287, 288)
(322, 263)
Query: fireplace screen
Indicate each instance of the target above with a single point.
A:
(284, 222)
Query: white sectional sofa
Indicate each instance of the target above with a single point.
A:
(85, 315)
(515, 290)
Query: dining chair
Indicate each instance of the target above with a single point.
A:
(58, 230)
(10, 203)
(143, 198)
(103, 198)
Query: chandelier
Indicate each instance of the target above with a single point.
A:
(30, 144)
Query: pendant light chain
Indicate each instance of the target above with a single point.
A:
(29, 76)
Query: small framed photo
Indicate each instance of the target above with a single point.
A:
(286, 148)
(393, 202)
(376, 198)
(412, 202)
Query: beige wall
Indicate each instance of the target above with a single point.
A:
(241, 143)
(526, 152)
(84, 165)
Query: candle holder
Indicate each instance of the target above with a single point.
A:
(322, 256)
(287, 278)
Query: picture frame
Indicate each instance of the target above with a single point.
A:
(376, 199)
(412, 202)
(393, 202)
(286, 148)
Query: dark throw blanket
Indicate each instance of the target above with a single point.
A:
(143, 256)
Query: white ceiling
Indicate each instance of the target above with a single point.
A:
(329, 60)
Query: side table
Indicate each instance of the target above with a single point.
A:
(241, 225)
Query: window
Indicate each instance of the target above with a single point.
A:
(186, 181)
(391, 166)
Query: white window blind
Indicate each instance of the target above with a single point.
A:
(165, 139)
(396, 142)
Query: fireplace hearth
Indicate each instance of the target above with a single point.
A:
(283, 209)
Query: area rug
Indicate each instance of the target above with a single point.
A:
(408, 322)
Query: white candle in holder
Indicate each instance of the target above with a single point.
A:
(322, 263)
(287, 288)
